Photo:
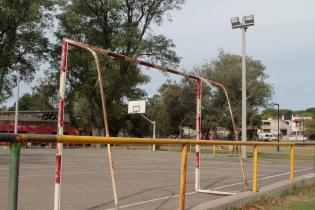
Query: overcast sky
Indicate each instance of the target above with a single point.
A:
(283, 38)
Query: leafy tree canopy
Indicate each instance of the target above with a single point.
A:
(39, 100)
(122, 26)
(273, 113)
(310, 129)
(226, 69)
(174, 107)
(22, 39)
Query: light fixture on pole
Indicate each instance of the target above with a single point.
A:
(247, 21)
(278, 138)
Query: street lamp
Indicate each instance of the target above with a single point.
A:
(276, 104)
(247, 21)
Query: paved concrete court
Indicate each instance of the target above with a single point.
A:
(145, 180)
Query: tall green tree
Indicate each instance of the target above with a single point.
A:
(122, 26)
(23, 43)
(174, 107)
(26, 103)
(310, 129)
(41, 99)
(226, 69)
(273, 113)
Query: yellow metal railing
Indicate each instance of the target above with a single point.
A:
(148, 141)
(255, 163)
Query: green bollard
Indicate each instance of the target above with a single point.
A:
(14, 175)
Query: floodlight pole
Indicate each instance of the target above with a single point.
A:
(244, 123)
(153, 123)
(247, 21)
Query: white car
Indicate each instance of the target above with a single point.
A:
(267, 137)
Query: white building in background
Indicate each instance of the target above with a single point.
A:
(292, 129)
(271, 126)
(298, 128)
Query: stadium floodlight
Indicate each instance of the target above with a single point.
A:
(248, 20)
(235, 21)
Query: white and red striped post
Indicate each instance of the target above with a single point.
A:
(62, 86)
(198, 134)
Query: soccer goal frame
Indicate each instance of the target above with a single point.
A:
(92, 49)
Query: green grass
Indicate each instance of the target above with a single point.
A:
(297, 203)
(299, 198)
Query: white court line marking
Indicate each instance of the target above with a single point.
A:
(174, 196)
(263, 178)
(152, 200)
(122, 167)
(101, 172)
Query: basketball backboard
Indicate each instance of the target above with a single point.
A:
(136, 107)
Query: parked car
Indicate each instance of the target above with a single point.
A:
(30, 145)
(266, 137)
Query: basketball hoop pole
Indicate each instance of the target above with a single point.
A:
(153, 123)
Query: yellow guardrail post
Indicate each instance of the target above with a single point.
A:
(213, 150)
(183, 167)
(190, 148)
(255, 168)
(169, 147)
(292, 163)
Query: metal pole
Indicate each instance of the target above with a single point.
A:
(14, 175)
(153, 148)
(65, 42)
(255, 164)
(198, 120)
(183, 170)
(278, 137)
(17, 101)
(153, 123)
(244, 128)
(291, 163)
(14, 156)
(59, 147)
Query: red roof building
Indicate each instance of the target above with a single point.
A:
(35, 122)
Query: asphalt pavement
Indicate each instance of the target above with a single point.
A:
(145, 179)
